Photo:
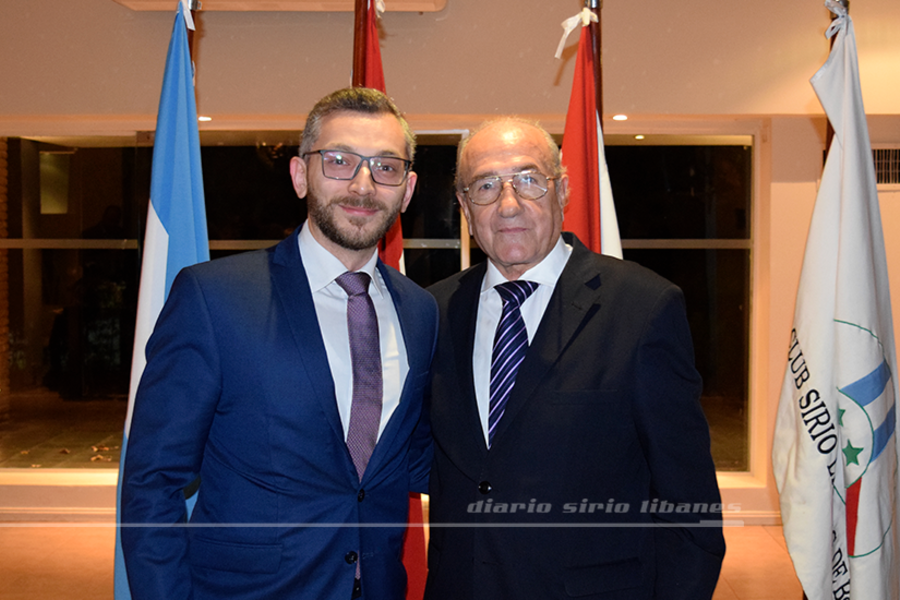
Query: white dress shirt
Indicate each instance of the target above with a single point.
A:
(322, 268)
(546, 273)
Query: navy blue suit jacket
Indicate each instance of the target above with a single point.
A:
(238, 390)
(603, 418)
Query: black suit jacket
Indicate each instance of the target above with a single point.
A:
(602, 448)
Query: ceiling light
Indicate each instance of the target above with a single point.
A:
(204, 119)
(620, 117)
(638, 137)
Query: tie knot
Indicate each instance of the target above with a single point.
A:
(355, 284)
(515, 292)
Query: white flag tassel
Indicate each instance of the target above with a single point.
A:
(188, 17)
(379, 8)
(835, 448)
(839, 10)
(584, 18)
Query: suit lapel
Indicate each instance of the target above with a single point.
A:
(417, 350)
(575, 299)
(292, 287)
(462, 315)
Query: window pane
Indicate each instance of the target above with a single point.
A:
(433, 211)
(92, 199)
(681, 192)
(717, 295)
(427, 266)
(249, 194)
(71, 335)
(72, 320)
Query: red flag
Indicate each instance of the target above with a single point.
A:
(415, 557)
(590, 214)
(367, 72)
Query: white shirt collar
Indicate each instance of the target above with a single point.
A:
(323, 267)
(546, 272)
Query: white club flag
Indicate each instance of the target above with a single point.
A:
(835, 448)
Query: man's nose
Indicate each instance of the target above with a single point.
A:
(362, 183)
(509, 201)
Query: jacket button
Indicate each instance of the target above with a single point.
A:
(485, 487)
(361, 495)
(351, 557)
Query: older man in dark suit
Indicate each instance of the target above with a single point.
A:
(569, 439)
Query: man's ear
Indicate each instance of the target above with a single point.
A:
(411, 179)
(298, 176)
(461, 198)
(562, 191)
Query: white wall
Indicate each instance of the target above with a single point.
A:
(101, 63)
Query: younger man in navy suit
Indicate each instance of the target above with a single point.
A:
(301, 415)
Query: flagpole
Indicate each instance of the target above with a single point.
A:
(596, 7)
(359, 45)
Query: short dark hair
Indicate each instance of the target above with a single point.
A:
(359, 100)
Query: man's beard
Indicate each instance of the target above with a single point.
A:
(322, 212)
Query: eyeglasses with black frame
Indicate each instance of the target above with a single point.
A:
(529, 185)
(343, 166)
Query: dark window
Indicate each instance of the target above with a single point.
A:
(77, 216)
(684, 212)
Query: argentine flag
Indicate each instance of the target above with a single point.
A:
(176, 218)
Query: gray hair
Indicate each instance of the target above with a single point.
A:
(556, 166)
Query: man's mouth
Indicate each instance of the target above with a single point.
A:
(364, 207)
(359, 211)
(512, 230)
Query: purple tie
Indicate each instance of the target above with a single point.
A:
(510, 345)
(365, 355)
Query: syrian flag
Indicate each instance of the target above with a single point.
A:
(590, 214)
(176, 234)
(835, 448)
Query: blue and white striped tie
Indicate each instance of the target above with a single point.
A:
(510, 345)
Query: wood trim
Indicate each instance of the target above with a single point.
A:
(57, 495)
(287, 5)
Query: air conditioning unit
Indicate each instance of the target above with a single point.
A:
(887, 167)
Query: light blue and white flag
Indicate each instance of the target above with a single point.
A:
(176, 234)
(835, 448)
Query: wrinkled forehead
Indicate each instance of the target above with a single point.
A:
(505, 147)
